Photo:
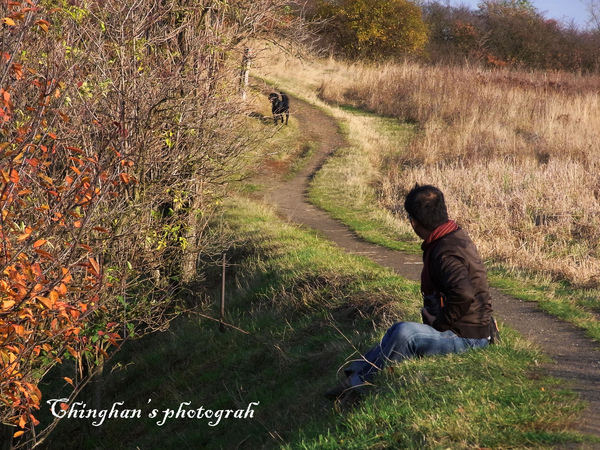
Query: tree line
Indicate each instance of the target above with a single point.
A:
(499, 33)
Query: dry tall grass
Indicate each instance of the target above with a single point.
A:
(517, 153)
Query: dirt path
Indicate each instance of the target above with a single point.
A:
(575, 357)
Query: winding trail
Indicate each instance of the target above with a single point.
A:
(575, 358)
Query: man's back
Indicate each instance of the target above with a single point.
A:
(458, 272)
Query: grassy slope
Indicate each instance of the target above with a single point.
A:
(305, 306)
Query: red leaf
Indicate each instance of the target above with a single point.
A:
(43, 253)
(14, 176)
(44, 25)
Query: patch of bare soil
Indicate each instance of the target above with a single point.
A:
(575, 358)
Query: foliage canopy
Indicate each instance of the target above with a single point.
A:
(374, 28)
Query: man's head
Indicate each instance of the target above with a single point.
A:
(426, 205)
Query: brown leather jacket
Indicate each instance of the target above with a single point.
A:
(457, 271)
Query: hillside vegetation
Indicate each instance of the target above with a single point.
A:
(298, 309)
(516, 153)
(120, 125)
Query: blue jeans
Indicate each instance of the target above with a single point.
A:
(408, 340)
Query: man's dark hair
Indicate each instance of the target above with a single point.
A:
(426, 205)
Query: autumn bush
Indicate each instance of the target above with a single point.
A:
(120, 126)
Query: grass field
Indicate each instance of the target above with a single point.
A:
(300, 308)
(297, 310)
(534, 220)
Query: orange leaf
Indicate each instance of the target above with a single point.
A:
(95, 265)
(7, 304)
(68, 380)
(61, 289)
(66, 275)
(46, 178)
(54, 297)
(23, 237)
(48, 303)
(43, 253)
(39, 243)
(9, 21)
(18, 433)
(125, 178)
(72, 351)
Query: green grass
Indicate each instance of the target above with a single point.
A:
(344, 187)
(481, 399)
(299, 309)
(305, 307)
(561, 299)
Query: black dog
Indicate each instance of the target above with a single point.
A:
(280, 107)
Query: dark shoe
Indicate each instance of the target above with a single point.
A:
(335, 392)
(349, 399)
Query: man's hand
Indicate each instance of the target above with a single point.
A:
(427, 316)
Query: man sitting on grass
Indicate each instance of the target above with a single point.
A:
(457, 305)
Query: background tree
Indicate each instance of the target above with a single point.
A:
(374, 28)
(507, 32)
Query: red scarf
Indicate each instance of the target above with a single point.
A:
(427, 286)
